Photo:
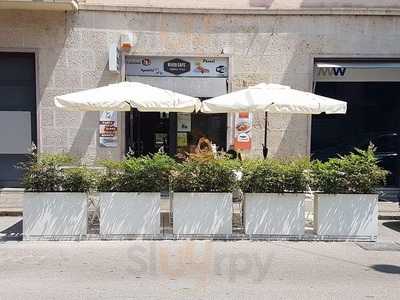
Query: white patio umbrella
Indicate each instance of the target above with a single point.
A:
(126, 95)
(273, 98)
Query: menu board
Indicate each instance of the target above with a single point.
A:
(108, 129)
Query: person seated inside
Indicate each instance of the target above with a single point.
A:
(233, 154)
(204, 145)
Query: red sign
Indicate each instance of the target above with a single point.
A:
(243, 126)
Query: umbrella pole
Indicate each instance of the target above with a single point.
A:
(131, 139)
(265, 148)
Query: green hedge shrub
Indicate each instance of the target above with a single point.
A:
(275, 176)
(79, 179)
(356, 173)
(142, 174)
(110, 179)
(50, 173)
(43, 173)
(204, 175)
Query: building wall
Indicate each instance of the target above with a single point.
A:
(72, 53)
(249, 4)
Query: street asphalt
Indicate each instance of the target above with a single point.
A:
(202, 269)
(197, 270)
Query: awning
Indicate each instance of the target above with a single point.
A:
(357, 71)
(55, 5)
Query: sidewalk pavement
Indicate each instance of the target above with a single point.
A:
(11, 201)
(202, 269)
(389, 222)
(389, 210)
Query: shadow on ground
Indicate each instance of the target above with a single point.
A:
(14, 232)
(389, 269)
(394, 225)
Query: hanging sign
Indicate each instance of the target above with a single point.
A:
(114, 59)
(243, 126)
(108, 129)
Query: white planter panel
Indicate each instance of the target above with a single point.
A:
(129, 213)
(346, 215)
(202, 213)
(55, 214)
(274, 214)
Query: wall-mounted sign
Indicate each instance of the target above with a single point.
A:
(114, 59)
(159, 66)
(108, 129)
(177, 66)
(181, 139)
(357, 72)
(183, 122)
(243, 126)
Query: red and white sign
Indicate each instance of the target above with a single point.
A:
(243, 126)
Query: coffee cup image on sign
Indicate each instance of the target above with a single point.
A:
(243, 137)
(243, 126)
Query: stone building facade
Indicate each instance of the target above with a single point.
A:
(264, 43)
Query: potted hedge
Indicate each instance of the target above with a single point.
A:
(129, 193)
(274, 197)
(55, 201)
(202, 198)
(346, 203)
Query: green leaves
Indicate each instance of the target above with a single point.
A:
(356, 173)
(275, 176)
(79, 179)
(214, 175)
(109, 180)
(142, 174)
(47, 173)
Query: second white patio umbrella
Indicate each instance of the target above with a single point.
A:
(273, 98)
(126, 95)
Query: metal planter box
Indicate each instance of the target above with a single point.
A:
(202, 213)
(54, 216)
(129, 213)
(274, 214)
(346, 216)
